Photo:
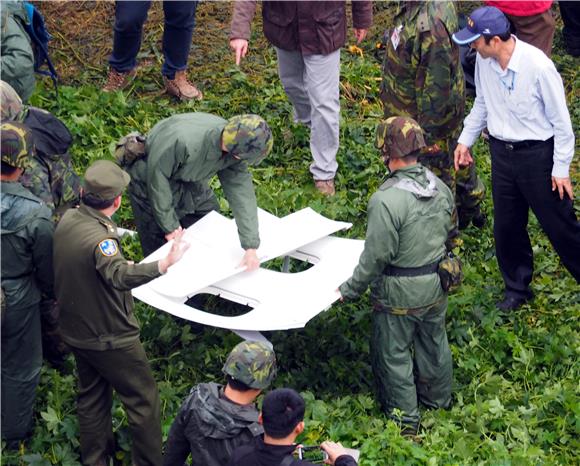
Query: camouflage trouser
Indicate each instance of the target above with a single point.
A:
(466, 186)
(411, 361)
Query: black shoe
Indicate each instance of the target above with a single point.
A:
(511, 303)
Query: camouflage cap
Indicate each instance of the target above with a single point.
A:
(252, 363)
(399, 136)
(248, 137)
(17, 144)
(105, 180)
(10, 102)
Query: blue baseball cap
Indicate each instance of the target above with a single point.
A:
(485, 21)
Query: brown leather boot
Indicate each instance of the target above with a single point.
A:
(326, 187)
(117, 81)
(181, 88)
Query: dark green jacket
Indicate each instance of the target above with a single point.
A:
(185, 150)
(17, 67)
(210, 427)
(26, 258)
(422, 75)
(93, 282)
(409, 218)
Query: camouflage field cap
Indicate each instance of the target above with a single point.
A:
(17, 145)
(248, 137)
(252, 363)
(105, 180)
(10, 102)
(399, 136)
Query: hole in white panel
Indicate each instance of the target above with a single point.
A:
(218, 305)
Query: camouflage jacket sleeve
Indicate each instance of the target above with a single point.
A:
(160, 192)
(118, 272)
(17, 57)
(434, 81)
(381, 246)
(236, 181)
(242, 17)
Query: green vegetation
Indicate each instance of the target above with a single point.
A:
(516, 393)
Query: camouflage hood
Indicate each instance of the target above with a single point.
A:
(218, 418)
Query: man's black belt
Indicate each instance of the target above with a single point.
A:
(394, 271)
(528, 144)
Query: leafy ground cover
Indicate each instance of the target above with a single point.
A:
(516, 382)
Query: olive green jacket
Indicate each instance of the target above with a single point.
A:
(409, 218)
(26, 258)
(93, 282)
(17, 67)
(185, 150)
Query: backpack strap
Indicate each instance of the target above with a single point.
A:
(288, 460)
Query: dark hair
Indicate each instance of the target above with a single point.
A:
(237, 385)
(282, 410)
(503, 37)
(7, 170)
(95, 202)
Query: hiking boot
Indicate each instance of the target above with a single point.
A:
(117, 81)
(181, 88)
(325, 187)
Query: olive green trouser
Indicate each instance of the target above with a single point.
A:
(127, 371)
(411, 361)
(197, 195)
(21, 362)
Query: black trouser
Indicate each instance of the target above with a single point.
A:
(520, 179)
(570, 12)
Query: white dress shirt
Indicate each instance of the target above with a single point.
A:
(526, 101)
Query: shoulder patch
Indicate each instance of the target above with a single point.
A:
(108, 247)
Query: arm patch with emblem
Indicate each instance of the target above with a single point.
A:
(108, 247)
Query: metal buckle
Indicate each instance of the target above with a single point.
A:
(509, 146)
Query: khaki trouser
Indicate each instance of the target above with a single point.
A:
(126, 371)
(411, 361)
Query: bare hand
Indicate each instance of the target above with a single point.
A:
(334, 450)
(169, 236)
(462, 156)
(176, 252)
(250, 260)
(240, 48)
(360, 34)
(564, 185)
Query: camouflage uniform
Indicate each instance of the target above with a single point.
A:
(409, 219)
(209, 425)
(423, 79)
(50, 176)
(170, 174)
(27, 283)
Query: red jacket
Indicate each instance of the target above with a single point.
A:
(520, 8)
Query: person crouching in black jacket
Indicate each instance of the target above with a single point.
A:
(282, 417)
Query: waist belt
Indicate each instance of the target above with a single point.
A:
(520, 144)
(394, 271)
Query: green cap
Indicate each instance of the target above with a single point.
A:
(17, 144)
(105, 180)
(248, 137)
(399, 136)
(252, 363)
(10, 102)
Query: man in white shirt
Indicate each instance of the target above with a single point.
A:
(521, 100)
